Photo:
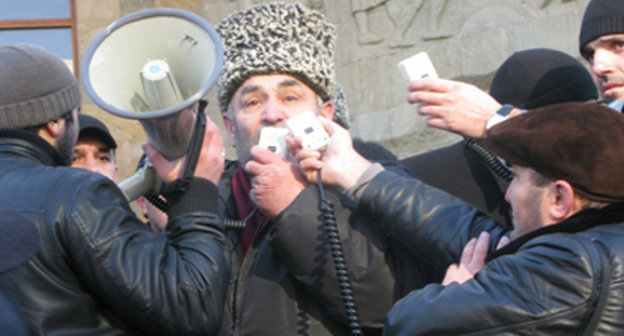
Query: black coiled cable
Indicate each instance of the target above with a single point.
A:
(333, 238)
(230, 224)
(238, 225)
(490, 160)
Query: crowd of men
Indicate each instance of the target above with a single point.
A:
(530, 246)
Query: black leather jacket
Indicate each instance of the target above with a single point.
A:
(562, 279)
(100, 270)
(286, 282)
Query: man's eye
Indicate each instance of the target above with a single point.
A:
(588, 55)
(290, 98)
(252, 103)
(619, 45)
(105, 158)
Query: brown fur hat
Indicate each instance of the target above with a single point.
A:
(576, 142)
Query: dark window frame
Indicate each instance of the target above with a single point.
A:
(69, 22)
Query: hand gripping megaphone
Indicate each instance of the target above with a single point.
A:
(154, 66)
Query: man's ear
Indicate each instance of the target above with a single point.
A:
(563, 200)
(327, 110)
(141, 203)
(51, 130)
(229, 128)
(115, 172)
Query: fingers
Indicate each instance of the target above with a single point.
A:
(168, 170)
(481, 249)
(502, 242)
(252, 167)
(211, 160)
(450, 271)
(427, 97)
(213, 142)
(473, 256)
(294, 144)
(431, 84)
(466, 256)
(263, 155)
(328, 125)
(152, 154)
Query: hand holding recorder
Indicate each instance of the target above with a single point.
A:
(448, 105)
(341, 165)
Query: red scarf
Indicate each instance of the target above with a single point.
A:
(244, 206)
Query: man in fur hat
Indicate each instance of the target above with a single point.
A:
(279, 63)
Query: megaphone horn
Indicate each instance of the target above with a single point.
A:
(154, 65)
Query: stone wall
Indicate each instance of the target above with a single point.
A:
(466, 40)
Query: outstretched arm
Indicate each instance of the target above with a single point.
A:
(453, 106)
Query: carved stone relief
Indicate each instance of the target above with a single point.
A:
(402, 13)
(547, 2)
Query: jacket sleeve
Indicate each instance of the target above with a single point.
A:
(173, 284)
(431, 224)
(299, 239)
(543, 289)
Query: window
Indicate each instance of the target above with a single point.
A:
(47, 23)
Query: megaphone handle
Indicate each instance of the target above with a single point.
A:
(195, 146)
(192, 155)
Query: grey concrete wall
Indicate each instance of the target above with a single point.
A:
(466, 40)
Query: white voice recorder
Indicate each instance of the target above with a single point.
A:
(274, 139)
(418, 66)
(307, 126)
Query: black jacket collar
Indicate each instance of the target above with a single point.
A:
(581, 221)
(29, 145)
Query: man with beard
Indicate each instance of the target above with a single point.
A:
(95, 148)
(278, 64)
(561, 273)
(99, 269)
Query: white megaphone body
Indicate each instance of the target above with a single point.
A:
(154, 66)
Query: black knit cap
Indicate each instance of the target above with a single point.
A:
(538, 77)
(602, 17)
(35, 86)
(576, 142)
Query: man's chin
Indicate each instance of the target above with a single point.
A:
(613, 95)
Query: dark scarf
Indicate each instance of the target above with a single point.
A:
(244, 206)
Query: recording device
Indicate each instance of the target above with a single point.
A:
(274, 139)
(154, 66)
(418, 66)
(307, 126)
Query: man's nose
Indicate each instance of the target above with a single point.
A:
(91, 164)
(273, 113)
(602, 63)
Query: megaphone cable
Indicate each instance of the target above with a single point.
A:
(333, 238)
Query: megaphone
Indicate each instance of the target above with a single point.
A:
(154, 66)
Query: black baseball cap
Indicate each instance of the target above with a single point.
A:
(92, 127)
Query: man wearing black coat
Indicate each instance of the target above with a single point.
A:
(99, 269)
(560, 274)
